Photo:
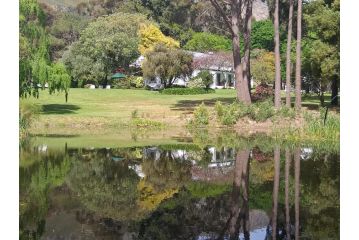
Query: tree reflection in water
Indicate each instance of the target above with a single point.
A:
(222, 192)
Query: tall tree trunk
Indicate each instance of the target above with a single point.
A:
(234, 24)
(247, 43)
(277, 56)
(297, 190)
(288, 62)
(287, 215)
(298, 79)
(275, 191)
(335, 91)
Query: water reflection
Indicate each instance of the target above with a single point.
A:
(183, 191)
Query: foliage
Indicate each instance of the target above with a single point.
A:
(150, 35)
(65, 30)
(137, 82)
(262, 92)
(262, 35)
(207, 78)
(34, 60)
(321, 60)
(263, 67)
(27, 114)
(200, 116)
(145, 123)
(105, 44)
(167, 64)
(262, 111)
(287, 112)
(195, 82)
(204, 189)
(204, 42)
(186, 91)
(128, 82)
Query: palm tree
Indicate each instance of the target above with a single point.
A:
(298, 81)
(288, 63)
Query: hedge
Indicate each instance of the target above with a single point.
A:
(186, 91)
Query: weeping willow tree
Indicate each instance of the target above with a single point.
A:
(35, 67)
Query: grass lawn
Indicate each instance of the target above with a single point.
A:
(88, 110)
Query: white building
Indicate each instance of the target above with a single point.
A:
(219, 64)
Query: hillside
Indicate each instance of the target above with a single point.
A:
(62, 3)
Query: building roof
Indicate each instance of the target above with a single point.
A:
(217, 61)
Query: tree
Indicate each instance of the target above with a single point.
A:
(235, 26)
(288, 62)
(65, 29)
(150, 35)
(106, 44)
(321, 60)
(34, 61)
(167, 64)
(262, 35)
(204, 42)
(277, 96)
(206, 77)
(263, 66)
(298, 65)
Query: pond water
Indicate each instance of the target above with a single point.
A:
(189, 189)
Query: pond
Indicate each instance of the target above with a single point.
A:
(198, 188)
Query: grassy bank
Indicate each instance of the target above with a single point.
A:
(107, 111)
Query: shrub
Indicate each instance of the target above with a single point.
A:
(201, 115)
(145, 123)
(27, 114)
(122, 83)
(137, 82)
(186, 91)
(134, 114)
(230, 114)
(261, 111)
(218, 107)
(286, 112)
(263, 92)
(196, 83)
(206, 77)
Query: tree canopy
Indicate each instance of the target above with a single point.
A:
(104, 45)
(150, 35)
(204, 42)
(167, 64)
(35, 69)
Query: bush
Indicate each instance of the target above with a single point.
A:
(230, 114)
(146, 123)
(28, 113)
(186, 91)
(261, 111)
(122, 83)
(286, 112)
(136, 82)
(201, 115)
(219, 108)
(196, 83)
(263, 92)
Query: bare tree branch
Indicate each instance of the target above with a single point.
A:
(216, 5)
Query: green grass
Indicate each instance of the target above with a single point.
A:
(95, 108)
(88, 111)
